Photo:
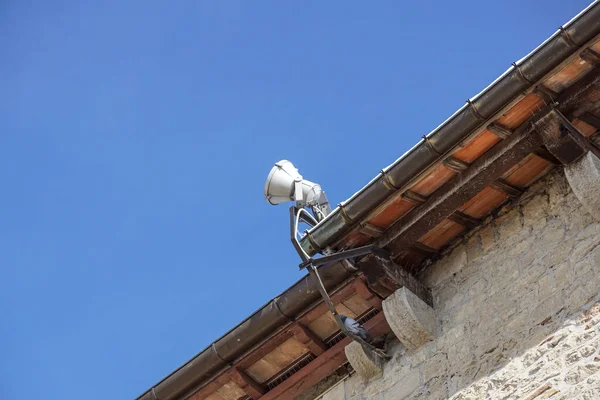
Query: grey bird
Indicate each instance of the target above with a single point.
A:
(357, 329)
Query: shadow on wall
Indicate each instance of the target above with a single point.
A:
(516, 310)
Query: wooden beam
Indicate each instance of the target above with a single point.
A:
(507, 188)
(548, 95)
(499, 130)
(590, 119)
(385, 277)
(450, 196)
(590, 56)
(406, 231)
(322, 366)
(249, 385)
(362, 289)
(265, 348)
(321, 308)
(581, 97)
(370, 230)
(423, 249)
(464, 219)
(594, 148)
(465, 185)
(455, 164)
(207, 389)
(562, 139)
(544, 154)
(309, 339)
(297, 328)
(413, 197)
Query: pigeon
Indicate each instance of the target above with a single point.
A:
(355, 328)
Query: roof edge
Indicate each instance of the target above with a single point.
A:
(471, 116)
(186, 379)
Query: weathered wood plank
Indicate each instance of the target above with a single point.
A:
(264, 349)
(413, 197)
(561, 138)
(321, 308)
(249, 385)
(465, 220)
(544, 154)
(505, 187)
(590, 119)
(309, 339)
(501, 131)
(385, 276)
(322, 366)
(450, 196)
(370, 230)
(455, 164)
(591, 57)
(362, 289)
(405, 232)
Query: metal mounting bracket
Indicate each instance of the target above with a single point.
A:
(298, 215)
(344, 255)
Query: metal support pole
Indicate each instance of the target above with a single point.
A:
(296, 216)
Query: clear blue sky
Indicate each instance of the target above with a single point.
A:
(136, 137)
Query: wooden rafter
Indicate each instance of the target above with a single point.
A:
(298, 329)
(385, 276)
(322, 366)
(484, 171)
(307, 337)
(505, 187)
(562, 139)
(454, 193)
(249, 385)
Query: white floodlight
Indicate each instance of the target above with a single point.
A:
(285, 184)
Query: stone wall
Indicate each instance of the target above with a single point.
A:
(517, 310)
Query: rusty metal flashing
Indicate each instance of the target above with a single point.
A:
(302, 296)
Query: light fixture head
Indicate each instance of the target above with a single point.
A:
(281, 182)
(285, 184)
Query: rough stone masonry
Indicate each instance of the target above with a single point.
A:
(517, 310)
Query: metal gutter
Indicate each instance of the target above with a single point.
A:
(478, 110)
(223, 352)
(278, 312)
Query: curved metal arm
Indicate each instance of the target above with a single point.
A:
(296, 216)
(367, 347)
(300, 214)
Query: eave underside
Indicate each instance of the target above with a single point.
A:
(495, 164)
